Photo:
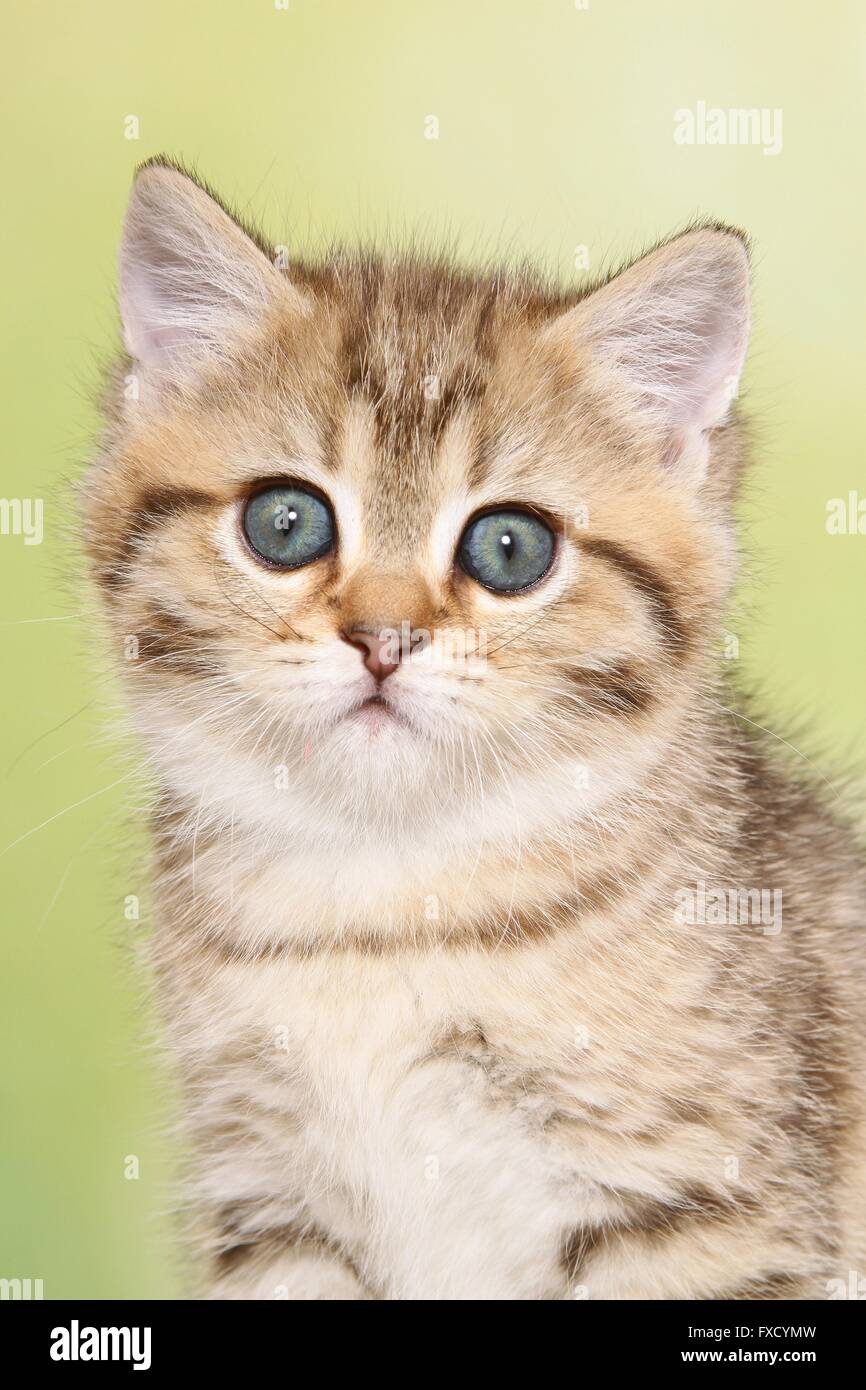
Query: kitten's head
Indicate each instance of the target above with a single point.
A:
(389, 544)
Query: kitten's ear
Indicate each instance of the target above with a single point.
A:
(191, 282)
(671, 332)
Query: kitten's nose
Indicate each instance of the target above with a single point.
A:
(378, 651)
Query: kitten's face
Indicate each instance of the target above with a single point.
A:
(386, 544)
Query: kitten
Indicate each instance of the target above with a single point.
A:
(498, 958)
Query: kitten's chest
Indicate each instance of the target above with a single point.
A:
(379, 1107)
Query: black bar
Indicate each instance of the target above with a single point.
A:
(231, 1337)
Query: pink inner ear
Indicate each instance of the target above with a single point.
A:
(709, 379)
(686, 360)
(149, 333)
(149, 339)
(674, 329)
(702, 393)
(190, 278)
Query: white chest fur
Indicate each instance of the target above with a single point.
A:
(363, 1095)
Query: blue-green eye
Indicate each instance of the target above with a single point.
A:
(288, 526)
(507, 551)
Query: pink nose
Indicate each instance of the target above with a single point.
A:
(380, 656)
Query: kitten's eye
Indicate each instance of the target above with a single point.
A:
(506, 551)
(288, 526)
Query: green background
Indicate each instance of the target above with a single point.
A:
(556, 130)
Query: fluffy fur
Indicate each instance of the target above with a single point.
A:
(443, 1031)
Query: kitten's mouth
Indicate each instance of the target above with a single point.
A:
(376, 713)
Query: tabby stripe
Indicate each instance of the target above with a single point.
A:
(152, 508)
(762, 1288)
(172, 642)
(617, 689)
(260, 1246)
(653, 589)
(657, 1221)
(501, 931)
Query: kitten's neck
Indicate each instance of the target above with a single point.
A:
(516, 866)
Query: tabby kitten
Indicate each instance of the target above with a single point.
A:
(497, 957)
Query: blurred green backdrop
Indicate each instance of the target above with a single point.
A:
(555, 131)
